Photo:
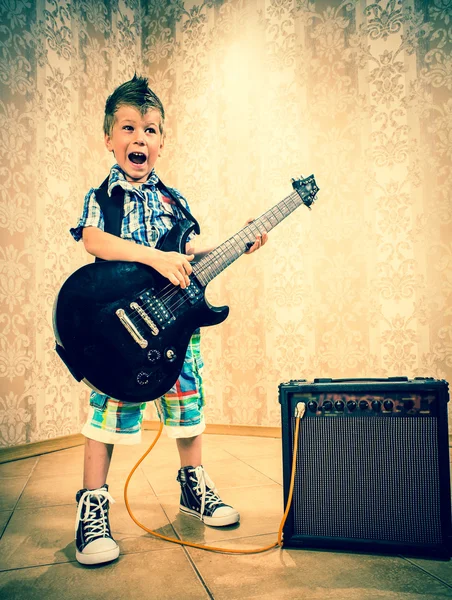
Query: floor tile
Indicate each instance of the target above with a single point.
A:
(138, 485)
(439, 568)
(226, 474)
(165, 451)
(41, 536)
(233, 473)
(270, 466)
(244, 447)
(132, 576)
(4, 518)
(46, 491)
(49, 491)
(37, 550)
(17, 468)
(37, 536)
(65, 462)
(310, 575)
(11, 489)
(260, 511)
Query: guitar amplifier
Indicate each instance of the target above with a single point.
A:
(372, 470)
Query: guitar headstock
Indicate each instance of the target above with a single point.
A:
(306, 189)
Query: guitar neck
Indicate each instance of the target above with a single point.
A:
(224, 255)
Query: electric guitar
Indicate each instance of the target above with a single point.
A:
(124, 329)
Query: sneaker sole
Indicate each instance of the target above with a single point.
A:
(98, 558)
(212, 521)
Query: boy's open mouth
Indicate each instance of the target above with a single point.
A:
(137, 157)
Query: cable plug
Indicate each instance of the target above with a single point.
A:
(300, 409)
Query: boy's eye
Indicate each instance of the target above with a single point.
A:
(128, 127)
(151, 129)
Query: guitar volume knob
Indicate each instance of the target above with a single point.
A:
(154, 356)
(143, 378)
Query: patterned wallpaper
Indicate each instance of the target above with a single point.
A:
(256, 92)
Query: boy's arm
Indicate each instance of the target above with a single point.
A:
(172, 265)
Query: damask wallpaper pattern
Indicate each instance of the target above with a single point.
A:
(256, 92)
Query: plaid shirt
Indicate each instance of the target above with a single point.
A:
(148, 213)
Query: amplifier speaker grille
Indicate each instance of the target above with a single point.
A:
(374, 479)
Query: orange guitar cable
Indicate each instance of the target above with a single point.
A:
(299, 412)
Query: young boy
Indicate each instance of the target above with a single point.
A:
(134, 132)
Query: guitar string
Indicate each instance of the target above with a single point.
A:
(181, 299)
(171, 290)
(206, 263)
(243, 235)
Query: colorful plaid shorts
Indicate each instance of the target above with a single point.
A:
(180, 409)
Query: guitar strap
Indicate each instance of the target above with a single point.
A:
(113, 207)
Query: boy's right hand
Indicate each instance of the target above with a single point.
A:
(174, 266)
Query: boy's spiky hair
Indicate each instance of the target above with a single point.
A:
(137, 93)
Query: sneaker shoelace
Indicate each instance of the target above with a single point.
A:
(205, 488)
(95, 517)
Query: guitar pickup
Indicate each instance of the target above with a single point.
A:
(156, 310)
(193, 292)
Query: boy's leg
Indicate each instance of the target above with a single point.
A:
(94, 542)
(96, 463)
(109, 422)
(190, 451)
(181, 411)
(199, 497)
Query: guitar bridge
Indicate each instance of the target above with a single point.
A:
(136, 335)
(146, 318)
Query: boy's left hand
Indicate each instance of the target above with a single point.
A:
(261, 239)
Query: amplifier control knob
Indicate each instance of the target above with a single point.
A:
(339, 405)
(351, 405)
(327, 405)
(312, 406)
(376, 406)
(363, 405)
(388, 404)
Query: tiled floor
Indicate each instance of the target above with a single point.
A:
(37, 553)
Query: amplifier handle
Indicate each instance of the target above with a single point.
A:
(358, 379)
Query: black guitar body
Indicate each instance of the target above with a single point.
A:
(124, 329)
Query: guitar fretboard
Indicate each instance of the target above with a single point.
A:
(217, 260)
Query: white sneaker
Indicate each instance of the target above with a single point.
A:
(93, 538)
(199, 498)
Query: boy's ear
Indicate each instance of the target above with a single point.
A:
(108, 144)
(162, 143)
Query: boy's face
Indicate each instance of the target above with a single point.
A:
(135, 141)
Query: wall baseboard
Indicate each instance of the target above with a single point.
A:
(77, 439)
(246, 430)
(42, 447)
